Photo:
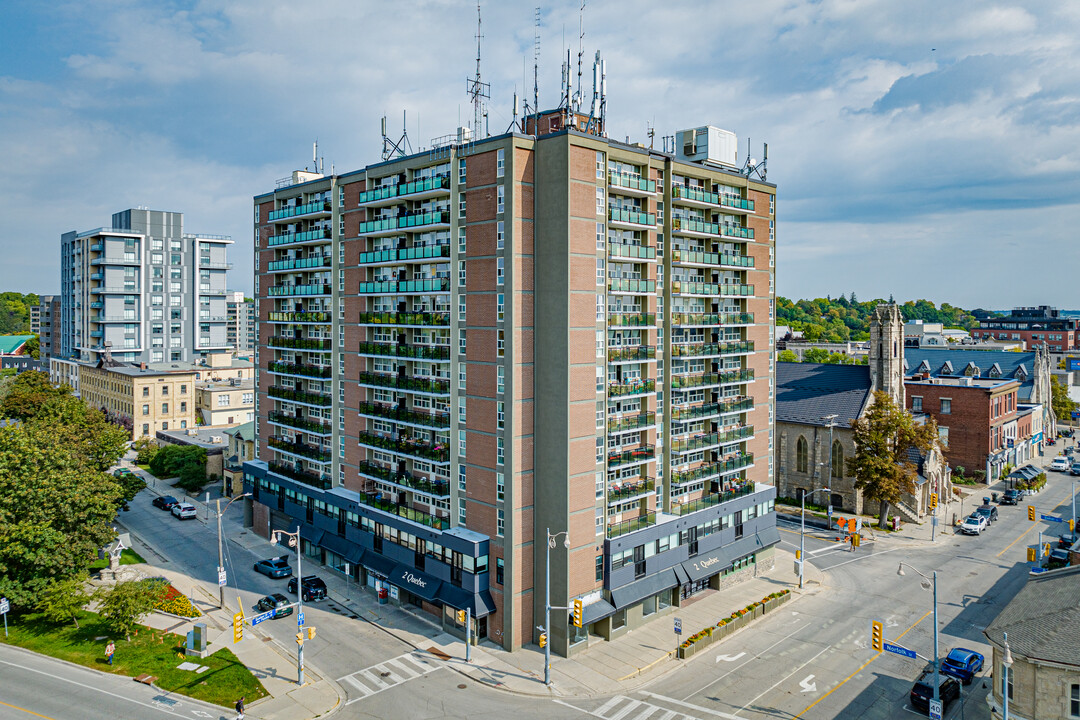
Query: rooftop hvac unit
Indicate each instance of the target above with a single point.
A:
(708, 144)
(192, 432)
(215, 438)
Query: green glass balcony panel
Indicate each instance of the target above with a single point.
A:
(728, 405)
(439, 387)
(736, 202)
(636, 387)
(425, 319)
(405, 254)
(278, 392)
(632, 216)
(395, 413)
(628, 526)
(405, 222)
(318, 427)
(323, 261)
(687, 225)
(438, 453)
(305, 209)
(710, 439)
(632, 182)
(712, 500)
(311, 452)
(708, 349)
(698, 257)
(405, 286)
(693, 193)
(299, 317)
(299, 343)
(737, 231)
(290, 290)
(625, 457)
(636, 353)
(439, 182)
(438, 488)
(375, 500)
(634, 422)
(704, 379)
(315, 371)
(630, 251)
(300, 237)
(632, 286)
(438, 352)
(691, 319)
(619, 319)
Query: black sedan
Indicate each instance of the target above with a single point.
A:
(278, 603)
(277, 567)
(165, 502)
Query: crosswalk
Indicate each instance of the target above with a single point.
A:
(369, 681)
(621, 707)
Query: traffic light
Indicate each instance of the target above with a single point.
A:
(310, 633)
(1031, 512)
(855, 540)
(1046, 550)
(578, 607)
(933, 500)
(1072, 526)
(461, 617)
(543, 639)
(238, 627)
(798, 554)
(877, 635)
(299, 638)
(1031, 554)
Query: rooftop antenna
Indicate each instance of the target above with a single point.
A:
(395, 148)
(478, 90)
(536, 61)
(651, 132)
(580, 53)
(315, 156)
(752, 166)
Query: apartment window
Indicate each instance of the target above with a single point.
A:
(599, 449)
(461, 413)
(223, 400)
(461, 241)
(461, 511)
(157, 258)
(461, 443)
(599, 307)
(146, 391)
(500, 486)
(500, 162)
(164, 408)
(500, 202)
(183, 407)
(499, 571)
(461, 206)
(599, 271)
(500, 271)
(946, 406)
(500, 234)
(461, 342)
(500, 306)
(461, 376)
(599, 165)
(156, 300)
(500, 523)
(1074, 700)
(916, 404)
(462, 478)
(500, 451)
(500, 379)
(165, 426)
(599, 417)
(599, 568)
(599, 379)
(943, 434)
(145, 409)
(461, 309)
(600, 240)
(461, 273)
(600, 201)
(461, 170)
(600, 343)
(145, 429)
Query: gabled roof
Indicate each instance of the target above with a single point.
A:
(806, 392)
(941, 362)
(245, 432)
(1043, 620)
(9, 344)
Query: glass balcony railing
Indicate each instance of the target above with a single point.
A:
(621, 319)
(634, 422)
(645, 520)
(630, 487)
(299, 343)
(308, 289)
(317, 427)
(632, 286)
(736, 231)
(439, 182)
(630, 251)
(311, 452)
(420, 352)
(625, 457)
(300, 237)
(634, 217)
(292, 395)
(707, 349)
(437, 487)
(317, 480)
(682, 192)
(424, 319)
(703, 379)
(710, 439)
(697, 257)
(632, 182)
(310, 263)
(405, 286)
(632, 387)
(689, 287)
(377, 501)
(736, 202)
(398, 382)
(711, 500)
(637, 353)
(438, 453)
(738, 404)
(97, 305)
(405, 254)
(317, 206)
(395, 413)
(405, 222)
(315, 371)
(691, 319)
(300, 317)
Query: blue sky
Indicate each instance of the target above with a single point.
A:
(921, 149)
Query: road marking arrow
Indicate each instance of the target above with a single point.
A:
(808, 686)
(729, 658)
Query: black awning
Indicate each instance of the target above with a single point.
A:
(350, 552)
(311, 533)
(681, 574)
(479, 604)
(378, 564)
(769, 536)
(640, 589)
(418, 583)
(703, 566)
(596, 611)
(751, 544)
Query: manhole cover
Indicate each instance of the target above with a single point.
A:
(462, 686)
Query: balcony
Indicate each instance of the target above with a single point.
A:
(309, 263)
(634, 422)
(412, 448)
(435, 488)
(645, 520)
(404, 287)
(736, 231)
(299, 343)
(711, 319)
(291, 290)
(697, 257)
(320, 207)
(705, 379)
(316, 427)
(430, 252)
(712, 349)
(694, 195)
(318, 399)
(621, 319)
(299, 449)
(632, 217)
(111, 289)
(711, 500)
(642, 453)
(417, 516)
(97, 247)
(630, 488)
(319, 318)
(421, 385)
(428, 187)
(711, 471)
(394, 413)
(632, 387)
(406, 319)
(634, 183)
(299, 369)
(316, 480)
(639, 353)
(96, 276)
(712, 439)
(393, 225)
(317, 235)
(626, 285)
(630, 251)
(729, 405)
(437, 352)
(736, 203)
(214, 265)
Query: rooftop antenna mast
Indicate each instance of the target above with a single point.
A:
(477, 89)
(395, 148)
(536, 62)
(752, 166)
(581, 51)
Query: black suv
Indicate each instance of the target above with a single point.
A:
(923, 691)
(990, 512)
(314, 588)
(1011, 497)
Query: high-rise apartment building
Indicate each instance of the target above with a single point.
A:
(466, 348)
(48, 313)
(143, 289)
(240, 323)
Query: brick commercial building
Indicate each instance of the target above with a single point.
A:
(1042, 325)
(464, 348)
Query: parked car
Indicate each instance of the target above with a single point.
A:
(1058, 558)
(922, 692)
(1011, 497)
(1059, 464)
(276, 602)
(988, 511)
(277, 567)
(165, 502)
(313, 586)
(184, 511)
(1074, 469)
(974, 524)
(1066, 541)
(963, 664)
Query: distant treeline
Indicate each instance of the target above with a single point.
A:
(15, 312)
(845, 318)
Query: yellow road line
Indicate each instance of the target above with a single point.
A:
(1016, 540)
(31, 712)
(876, 655)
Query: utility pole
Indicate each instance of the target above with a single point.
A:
(220, 553)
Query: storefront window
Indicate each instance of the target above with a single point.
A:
(664, 599)
(618, 620)
(578, 634)
(649, 606)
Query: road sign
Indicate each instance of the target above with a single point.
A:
(1050, 518)
(221, 575)
(300, 619)
(262, 616)
(4, 605)
(935, 709)
(896, 649)
(678, 626)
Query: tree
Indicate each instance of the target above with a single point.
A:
(63, 600)
(84, 429)
(125, 603)
(28, 393)
(33, 347)
(188, 462)
(815, 355)
(1060, 402)
(881, 466)
(147, 448)
(787, 356)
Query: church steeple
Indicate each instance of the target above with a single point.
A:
(887, 351)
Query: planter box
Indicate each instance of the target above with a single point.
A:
(771, 604)
(759, 610)
(685, 653)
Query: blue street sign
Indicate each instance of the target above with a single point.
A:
(300, 619)
(889, 647)
(1051, 518)
(262, 616)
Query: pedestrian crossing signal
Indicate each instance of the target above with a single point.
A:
(543, 639)
(1046, 549)
(1031, 513)
(299, 638)
(238, 627)
(877, 635)
(578, 611)
(310, 633)
(1072, 526)
(933, 500)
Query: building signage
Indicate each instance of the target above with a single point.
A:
(706, 565)
(416, 582)
(1073, 364)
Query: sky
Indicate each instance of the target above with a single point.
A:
(923, 149)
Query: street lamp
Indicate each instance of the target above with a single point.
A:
(547, 598)
(220, 554)
(294, 541)
(926, 583)
(1006, 667)
(802, 532)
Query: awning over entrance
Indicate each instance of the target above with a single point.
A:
(596, 611)
(640, 589)
(311, 533)
(769, 536)
(703, 566)
(338, 545)
(377, 564)
(479, 604)
(752, 543)
(416, 582)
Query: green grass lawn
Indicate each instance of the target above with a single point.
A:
(150, 651)
(127, 557)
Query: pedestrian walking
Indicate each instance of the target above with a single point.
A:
(240, 709)
(110, 650)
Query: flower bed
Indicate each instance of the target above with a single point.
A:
(176, 603)
(743, 616)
